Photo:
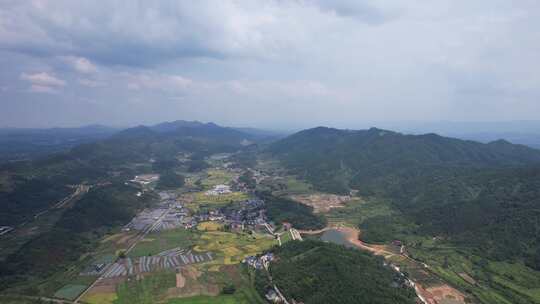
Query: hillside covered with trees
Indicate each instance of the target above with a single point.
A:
(483, 197)
(314, 272)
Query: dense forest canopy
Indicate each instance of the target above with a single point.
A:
(314, 272)
(280, 209)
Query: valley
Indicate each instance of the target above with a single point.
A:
(186, 224)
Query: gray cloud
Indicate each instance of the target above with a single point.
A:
(268, 63)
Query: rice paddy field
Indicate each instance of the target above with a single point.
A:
(200, 201)
(100, 298)
(217, 177)
(209, 226)
(151, 289)
(232, 248)
(70, 291)
(202, 198)
(157, 242)
(192, 283)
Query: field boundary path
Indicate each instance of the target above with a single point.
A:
(142, 235)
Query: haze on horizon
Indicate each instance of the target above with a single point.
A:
(268, 64)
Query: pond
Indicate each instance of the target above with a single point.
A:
(337, 237)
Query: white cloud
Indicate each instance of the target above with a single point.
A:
(83, 65)
(43, 82)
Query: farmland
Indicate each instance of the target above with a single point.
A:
(201, 201)
(193, 263)
(150, 289)
(231, 248)
(70, 291)
(217, 177)
(157, 242)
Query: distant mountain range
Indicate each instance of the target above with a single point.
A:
(19, 143)
(517, 132)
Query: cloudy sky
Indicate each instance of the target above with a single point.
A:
(272, 64)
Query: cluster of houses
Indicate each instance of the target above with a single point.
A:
(145, 179)
(250, 215)
(259, 262)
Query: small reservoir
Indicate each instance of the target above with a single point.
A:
(337, 237)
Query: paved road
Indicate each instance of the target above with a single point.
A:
(295, 234)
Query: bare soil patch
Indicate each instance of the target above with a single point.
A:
(446, 294)
(180, 280)
(322, 202)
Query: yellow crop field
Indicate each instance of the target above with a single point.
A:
(231, 248)
(209, 226)
(100, 298)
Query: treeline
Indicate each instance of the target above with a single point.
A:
(170, 180)
(314, 272)
(280, 209)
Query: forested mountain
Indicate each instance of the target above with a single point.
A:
(28, 187)
(313, 272)
(34, 187)
(481, 196)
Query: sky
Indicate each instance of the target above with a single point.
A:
(268, 64)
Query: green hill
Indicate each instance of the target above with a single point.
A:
(314, 272)
(484, 197)
(28, 187)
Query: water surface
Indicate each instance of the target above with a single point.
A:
(337, 237)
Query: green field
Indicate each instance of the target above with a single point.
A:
(157, 242)
(201, 201)
(151, 289)
(496, 282)
(238, 298)
(70, 291)
(100, 298)
(217, 177)
(202, 198)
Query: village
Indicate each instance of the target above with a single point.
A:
(208, 232)
(221, 226)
